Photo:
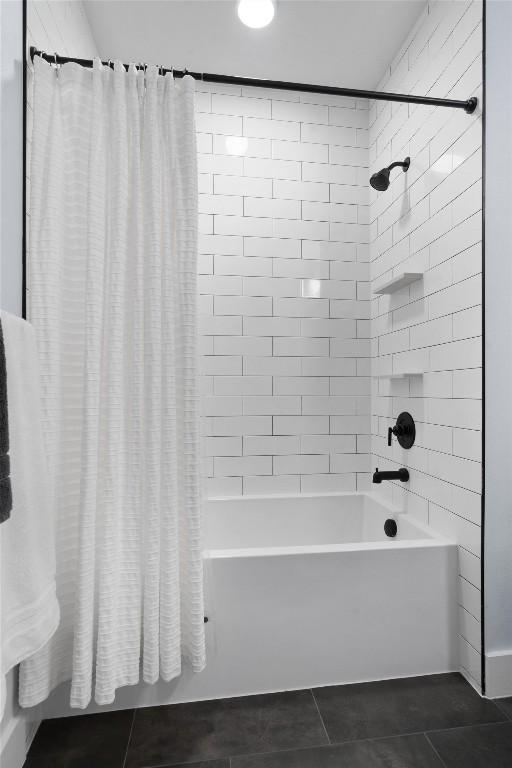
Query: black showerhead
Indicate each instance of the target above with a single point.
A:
(380, 180)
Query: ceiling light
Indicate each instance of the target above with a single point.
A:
(256, 13)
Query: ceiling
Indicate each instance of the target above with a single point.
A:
(330, 42)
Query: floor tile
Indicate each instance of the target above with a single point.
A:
(408, 705)
(212, 729)
(484, 746)
(506, 706)
(398, 752)
(207, 764)
(82, 741)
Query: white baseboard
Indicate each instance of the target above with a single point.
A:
(498, 674)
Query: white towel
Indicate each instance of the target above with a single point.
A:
(29, 611)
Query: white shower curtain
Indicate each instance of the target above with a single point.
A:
(112, 295)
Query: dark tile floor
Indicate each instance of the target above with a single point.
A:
(423, 722)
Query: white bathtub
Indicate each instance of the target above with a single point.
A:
(307, 591)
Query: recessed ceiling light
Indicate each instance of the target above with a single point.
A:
(256, 13)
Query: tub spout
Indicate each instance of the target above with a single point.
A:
(401, 474)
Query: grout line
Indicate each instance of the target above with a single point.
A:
(498, 704)
(434, 750)
(320, 716)
(129, 739)
(333, 744)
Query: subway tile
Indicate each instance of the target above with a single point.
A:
(242, 185)
(300, 347)
(271, 445)
(225, 426)
(318, 327)
(242, 345)
(328, 289)
(300, 151)
(271, 406)
(222, 446)
(236, 105)
(221, 365)
(222, 406)
(270, 129)
(243, 225)
(349, 462)
(230, 205)
(299, 112)
(220, 285)
(301, 385)
(299, 425)
(243, 385)
(271, 326)
(301, 307)
(272, 247)
(226, 466)
(301, 190)
(328, 444)
(331, 174)
(230, 145)
(208, 123)
(330, 483)
(229, 325)
(243, 305)
(276, 485)
(217, 487)
(264, 207)
(301, 268)
(243, 266)
(328, 366)
(271, 286)
(349, 155)
(300, 229)
(328, 134)
(272, 169)
(337, 212)
(224, 245)
(301, 464)
(328, 406)
(344, 252)
(271, 366)
(350, 348)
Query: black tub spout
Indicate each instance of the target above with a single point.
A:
(401, 474)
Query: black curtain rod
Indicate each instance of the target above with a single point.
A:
(468, 106)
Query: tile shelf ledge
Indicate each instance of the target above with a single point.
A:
(397, 282)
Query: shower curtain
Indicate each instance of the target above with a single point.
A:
(112, 295)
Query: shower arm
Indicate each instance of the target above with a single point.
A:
(400, 164)
(469, 105)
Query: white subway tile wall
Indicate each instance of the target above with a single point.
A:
(284, 284)
(430, 221)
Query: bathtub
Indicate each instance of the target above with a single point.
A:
(306, 591)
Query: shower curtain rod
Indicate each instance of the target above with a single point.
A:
(469, 105)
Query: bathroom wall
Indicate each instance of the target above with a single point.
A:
(498, 366)
(430, 221)
(284, 290)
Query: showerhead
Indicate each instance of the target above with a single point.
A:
(380, 180)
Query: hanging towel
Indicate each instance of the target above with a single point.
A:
(5, 480)
(29, 611)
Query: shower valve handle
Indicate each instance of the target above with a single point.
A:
(404, 430)
(397, 430)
